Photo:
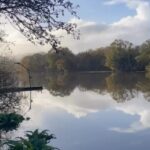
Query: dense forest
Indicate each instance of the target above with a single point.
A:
(120, 56)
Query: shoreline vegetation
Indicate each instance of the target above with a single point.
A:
(119, 56)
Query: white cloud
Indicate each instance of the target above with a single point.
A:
(136, 107)
(81, 104)
(133, 28)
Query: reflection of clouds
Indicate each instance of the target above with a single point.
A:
(140, 107)
(78, 103)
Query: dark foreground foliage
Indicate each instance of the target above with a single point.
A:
(33, 141)
(9, 122)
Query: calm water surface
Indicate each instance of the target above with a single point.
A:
(91, 111)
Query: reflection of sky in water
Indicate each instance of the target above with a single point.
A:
(87, 120)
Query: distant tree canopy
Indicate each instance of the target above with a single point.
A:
(39, 60)
(119, 56)
(122, 57)
(37, 19)
(92, 60)
(65, 60)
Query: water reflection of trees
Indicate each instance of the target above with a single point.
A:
(64, 84)
(122, 86)
(92, 82)
(61, 85)
(144, 87)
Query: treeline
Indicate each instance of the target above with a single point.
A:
(119, 56)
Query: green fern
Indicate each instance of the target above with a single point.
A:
(34, 141)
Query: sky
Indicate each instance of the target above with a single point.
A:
(101, 22)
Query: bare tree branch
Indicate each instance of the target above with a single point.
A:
(36, 19)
